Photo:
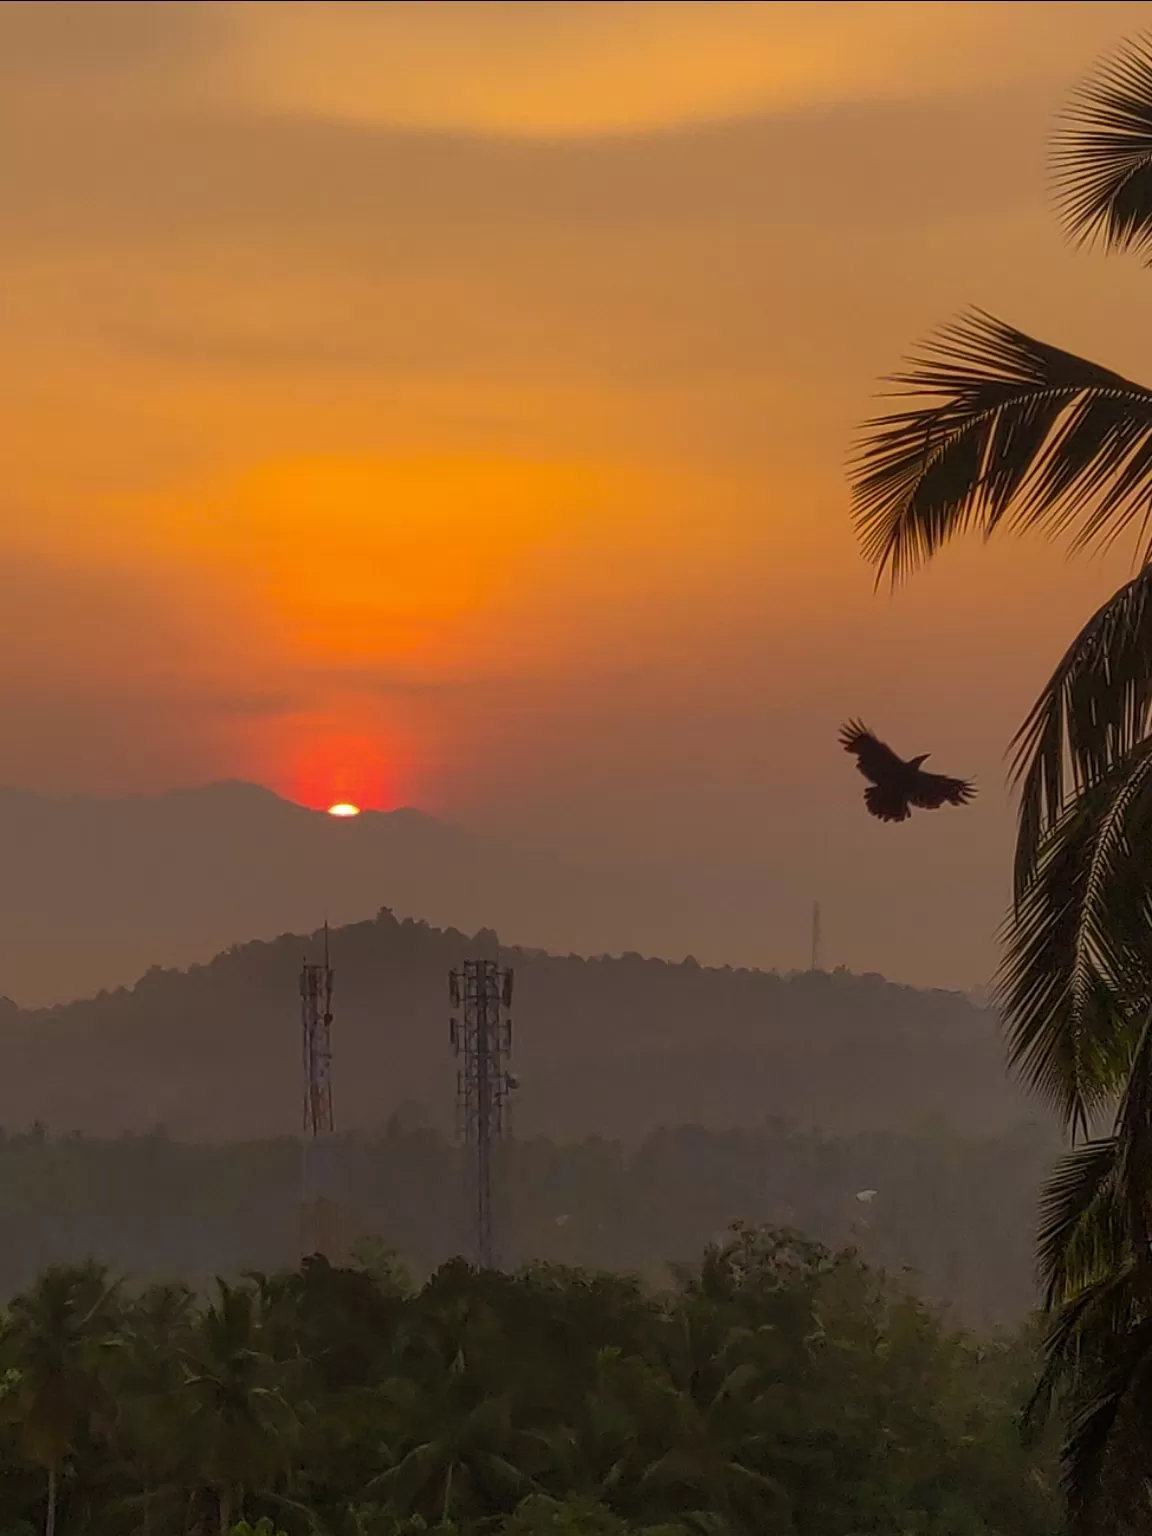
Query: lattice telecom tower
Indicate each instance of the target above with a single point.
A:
(481, 1036)
(318, 1209)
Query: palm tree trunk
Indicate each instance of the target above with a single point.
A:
(50, 1515)
(225, 1496)
(447, 1506)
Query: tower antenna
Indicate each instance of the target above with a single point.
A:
(817, 938)
(318, 1208)
(480, 1032)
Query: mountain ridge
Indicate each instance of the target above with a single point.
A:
(93, 891)
(610, 1045)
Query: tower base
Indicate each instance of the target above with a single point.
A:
(321, 1230)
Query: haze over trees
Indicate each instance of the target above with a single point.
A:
(951, 1216)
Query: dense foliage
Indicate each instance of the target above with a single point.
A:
(954, 1214)
(777, 1386)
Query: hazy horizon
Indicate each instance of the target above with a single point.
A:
(97, 890)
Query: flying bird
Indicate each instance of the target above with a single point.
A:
(895, 786)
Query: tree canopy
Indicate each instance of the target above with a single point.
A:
(776, 1385)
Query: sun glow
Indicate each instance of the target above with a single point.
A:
(344, 809)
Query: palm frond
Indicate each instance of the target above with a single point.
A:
(1134, 1139)
(1098, 1363)
(1010, 430)
(1101, 1310)
(1095, 708)
(1075, 979)
(1099, 1440)
(1102, 153)
(1094, 1248)
(1082, 1231)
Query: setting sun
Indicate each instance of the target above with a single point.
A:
(343, 809)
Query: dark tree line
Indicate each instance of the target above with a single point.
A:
(955, 1214)
(774, 1386)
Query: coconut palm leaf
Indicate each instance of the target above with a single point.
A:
(1082, 1231)
(1095, 1238)
(1102, 1309)
(1134, 1141)
(995, 428)
(1076, 979)
(1095, 708)
(1102, 155)
(1011, 431)
(1107, 1438)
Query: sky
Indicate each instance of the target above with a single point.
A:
(448, 405)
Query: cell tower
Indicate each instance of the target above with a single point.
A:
(318, 1209)
(481, 1036)
(816, 937)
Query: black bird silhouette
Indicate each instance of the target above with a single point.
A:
(895, 785)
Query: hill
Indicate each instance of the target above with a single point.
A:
(612, 1046)
(92, 891)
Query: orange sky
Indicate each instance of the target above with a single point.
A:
(447, 404)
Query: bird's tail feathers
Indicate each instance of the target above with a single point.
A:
(887, 804)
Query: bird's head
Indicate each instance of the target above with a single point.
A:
(923, 758)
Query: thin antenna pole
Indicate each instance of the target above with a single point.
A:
(817, 958)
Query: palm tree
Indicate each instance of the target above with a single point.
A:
(461, 1465)
(240, 1426)
(147, 1379)
(1094, 1249)
(53, 1345)
(620, 1425)
(715, 1459)
(455, 1439)
(995, 429)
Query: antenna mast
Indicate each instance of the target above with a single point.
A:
(481, 1035)
(816, 937)
(318, 1209)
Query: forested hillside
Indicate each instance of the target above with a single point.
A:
(952, 1216)
(612, 1046)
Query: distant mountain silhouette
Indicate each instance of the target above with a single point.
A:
(608, 1046)
(92, 891)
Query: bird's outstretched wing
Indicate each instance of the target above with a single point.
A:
(932, 790)
(875, 760)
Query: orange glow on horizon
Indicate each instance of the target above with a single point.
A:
(343, 809)
(332, 760)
